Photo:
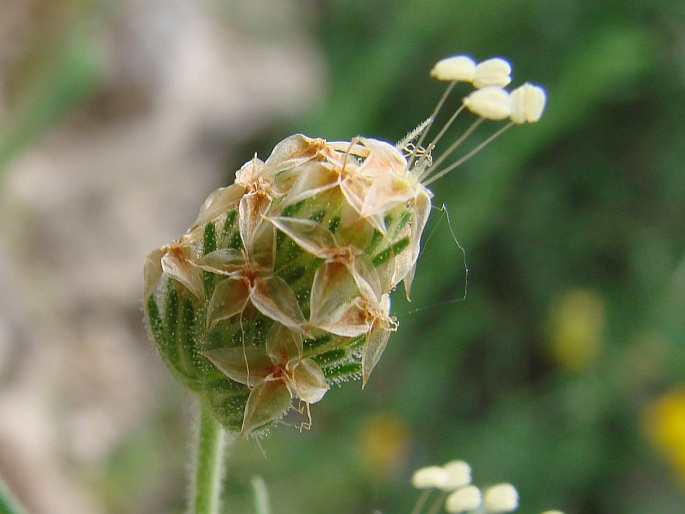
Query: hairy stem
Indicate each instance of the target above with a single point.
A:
(261, 496)
(208, 470)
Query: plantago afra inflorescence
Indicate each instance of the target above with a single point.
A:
(281, 286)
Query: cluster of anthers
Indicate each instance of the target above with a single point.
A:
(459, 495)
(281, 286)
(489, 101)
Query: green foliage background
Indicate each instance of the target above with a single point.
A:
(592, 198)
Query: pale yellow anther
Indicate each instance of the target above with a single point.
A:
(491, 103)
(492, 72)
(459, 68)
(429, 477)
(527, 103)
(463, 500)
(459, 474)
(501, 498)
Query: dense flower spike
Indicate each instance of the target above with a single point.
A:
(282, 285)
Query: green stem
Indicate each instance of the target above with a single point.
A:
(261, 496)
(208, 465)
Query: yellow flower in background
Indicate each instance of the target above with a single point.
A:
(384, 444)
(575, 327)
(664, 424)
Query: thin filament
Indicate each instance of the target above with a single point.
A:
(444, 129)
(451, 149)
(437, 503)
(468, 155)
(431, 119)
(347, 154)
(421, 501)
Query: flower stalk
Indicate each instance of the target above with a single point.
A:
(208, 467)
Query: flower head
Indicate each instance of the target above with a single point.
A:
(282, 284)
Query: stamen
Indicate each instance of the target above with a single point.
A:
(527, 103)
(451, 149)
(501, 498)
(466, 157)
(421, 501)
(459, 68)
(464, 499)
(431, 118)
(444, 129)
(437, 504)
(491, 103)
(492, 72)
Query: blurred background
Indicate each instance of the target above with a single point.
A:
(562, 369)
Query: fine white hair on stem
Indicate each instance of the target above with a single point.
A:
(413, 134)
(426, 129)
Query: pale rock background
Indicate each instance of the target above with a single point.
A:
(182, 88)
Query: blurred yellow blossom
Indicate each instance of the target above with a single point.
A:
(575, 327)
(384, 439)
(664, 424)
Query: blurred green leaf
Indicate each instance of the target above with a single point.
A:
(65, 82)
(8, 503)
